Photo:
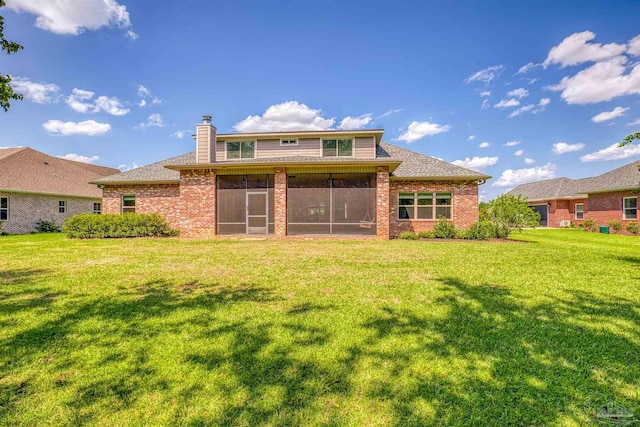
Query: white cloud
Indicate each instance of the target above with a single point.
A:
(476, 163)
(75, 16)
(40, 93)
(143, 91)
(532, 108)
(519, 153)
(518, 93)
(287, 116)
(145, 94)
(634, 123)
(527, 67)
(179, 134)
(79, 158)
(512, 143)
(612, 152)
(513, 177)
(529, 161)
(600, 82)
(142, 103)
(484, 144)
(82, 102)
(576, 49)
(88, 127)
(609, 115)
(485, 104)
(124, 167)
(471, 138)
(355, 122)
(532, 81)
(486, 75)
(389, 112)
(485, 93)
(507, 103)
(154, 120)
(634, 46)
(563, 147)
(418, 130)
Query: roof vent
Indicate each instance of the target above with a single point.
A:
(206, 119)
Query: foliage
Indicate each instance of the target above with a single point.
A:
(616, 226)
(508, 213)
(589, 225)
(632, 227)
(43, 226)
(629, 139)
(484, 211)
(6, 91)
(92, 226)
(444, 229)
(408, 235)
(481, 230)
(427, 234)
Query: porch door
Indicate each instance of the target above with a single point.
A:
(257, 212)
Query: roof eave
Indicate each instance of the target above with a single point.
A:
(266, 135)
(136, 182)
(393, 164)
(440, 178)
(610, 190)
(43, 193)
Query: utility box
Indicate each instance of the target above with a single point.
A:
(604, 229)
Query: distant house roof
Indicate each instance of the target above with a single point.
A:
(24, 169)
(626, 177)
(411, 165)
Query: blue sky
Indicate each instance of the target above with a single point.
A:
(124, 83)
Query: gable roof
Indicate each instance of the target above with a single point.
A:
(411, 165)
(27, 170)
(626, 177)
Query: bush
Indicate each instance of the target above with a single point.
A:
(444, 229)
(427, 235)
(590, 225)
(92, 226)
(408, 235)
(480, 230)
(632, 227)
(508, 213)
(616, 226)
(43, 226)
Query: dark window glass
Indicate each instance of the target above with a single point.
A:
(344, 147)
(97, 208)
(233, 150)
(128, 204)
(4, 208)
(62, 206)
(329, 147)
(248, 150)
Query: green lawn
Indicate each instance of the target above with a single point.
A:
(355, 333)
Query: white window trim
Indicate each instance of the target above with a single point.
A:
(8, 208)
(65, 206)
(255, 149)
(296, 143)
(353, 146)
(624, 210)
(576, 211)
(415, 196)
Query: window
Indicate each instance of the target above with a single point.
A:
(288, 142)
(241, 150)
(97, 208)
(62, 206)
(579, 210)
(337, 147)
(4, 208)
(424, 205)
(129, 204)
(630, 208)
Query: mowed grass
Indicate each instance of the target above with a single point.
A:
(353, 333)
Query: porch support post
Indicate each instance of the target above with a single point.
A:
(382, 202)
(280, 202)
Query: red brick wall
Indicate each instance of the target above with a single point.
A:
(607, 207)
(163, 199)
(560, 210)
(198, 203)
(280, 202)
(382, 203)
(464, 203)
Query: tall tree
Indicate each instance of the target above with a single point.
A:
(6, 91)
(629, 139)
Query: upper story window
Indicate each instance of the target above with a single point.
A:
(630, 208)
(424, 205)
(97, 208)
(241, 150)
(128, 204)
(579, 210)
(4, 208)
(337, 147)
(289, 142)
(62, 206)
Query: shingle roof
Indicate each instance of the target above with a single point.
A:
(27, 170)
(414, 165)
(622, 178)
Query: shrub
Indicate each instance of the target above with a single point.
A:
(427, 235)
(92, 226)
(444, 229)
(616, 226)
(632, 227)
(480, 230)
(508, 212)
(43, 226)
(408, 235)
(590, 225)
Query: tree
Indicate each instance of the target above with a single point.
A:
(6, 91)
(508, 213)
(629, 139)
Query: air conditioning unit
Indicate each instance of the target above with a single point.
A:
(565, 223)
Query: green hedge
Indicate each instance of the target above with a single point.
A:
(92, 226)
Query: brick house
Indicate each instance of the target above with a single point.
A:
(329, 182)
(35, 186)
(603, 198)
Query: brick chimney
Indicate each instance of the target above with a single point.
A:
(205, 141)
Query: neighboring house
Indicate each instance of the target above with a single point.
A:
(297, 183)
(35, 186)
(603, 198)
